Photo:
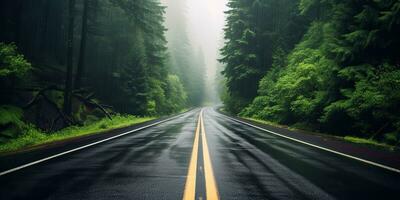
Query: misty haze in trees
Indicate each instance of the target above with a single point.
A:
(185, 61)
(66, 62)
(329, 66)
(198, 25)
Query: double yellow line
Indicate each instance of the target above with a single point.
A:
(211, 186)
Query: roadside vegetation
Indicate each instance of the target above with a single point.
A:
(358, 140)
(325, 66)
(369, 142)
(30, 136)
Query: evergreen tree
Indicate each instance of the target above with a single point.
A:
(257, 31)
(342, 76)
(105, 54)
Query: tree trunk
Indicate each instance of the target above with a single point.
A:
(82, 52)
(17, 16)
(70, 41)
(45, 21)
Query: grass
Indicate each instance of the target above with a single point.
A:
(352, 139)
(265, 122)
(34, 137)
(367, 142)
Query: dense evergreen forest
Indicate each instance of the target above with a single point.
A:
(67, 62)
(325, 65)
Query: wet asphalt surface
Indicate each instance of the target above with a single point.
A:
(247, 164)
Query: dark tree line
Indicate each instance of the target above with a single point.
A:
(331, 66)
(68, 60)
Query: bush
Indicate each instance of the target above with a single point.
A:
(11, 124)
(316, 91)
(11, 62)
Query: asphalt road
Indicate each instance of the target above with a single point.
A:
(240, 161)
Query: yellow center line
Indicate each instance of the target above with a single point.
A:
(210, 183)
(190, 186)
(211, 186)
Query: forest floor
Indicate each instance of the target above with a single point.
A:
(33, 137)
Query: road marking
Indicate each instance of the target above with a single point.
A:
(84, 147)
(319, 147)
(210, 183)
(211, 186)
(190, 186)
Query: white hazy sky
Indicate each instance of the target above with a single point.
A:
(205, 23)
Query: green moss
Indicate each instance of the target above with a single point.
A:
(33, 137)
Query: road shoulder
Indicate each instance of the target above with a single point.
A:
(15, 159)
(377, 155)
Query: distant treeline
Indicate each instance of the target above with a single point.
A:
(331, 66)
(65, 61)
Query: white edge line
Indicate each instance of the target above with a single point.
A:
(322, 148)
(83, 147)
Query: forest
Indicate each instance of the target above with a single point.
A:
(330, 66)
(74, 62)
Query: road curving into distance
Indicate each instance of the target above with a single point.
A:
(201, 154)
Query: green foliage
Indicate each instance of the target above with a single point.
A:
(32, 136)
(374, 97)
(125, 63)
(130, 72)
(233, 102)
(256, 37)
(367, 142)
(145, 79)
(241, 60)
(176, 95)
(11, 62)
(124, 68)
(343, 76)
(157, 96)
(11, 122)
(10, 114)
(151, 107)
(305, 5)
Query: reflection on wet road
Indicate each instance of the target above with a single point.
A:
(149, 164)
(251, 164)
(247, 164)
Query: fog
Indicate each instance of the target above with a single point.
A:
(203, 22)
